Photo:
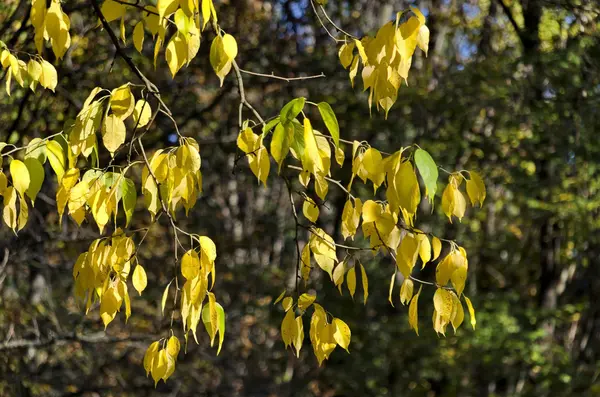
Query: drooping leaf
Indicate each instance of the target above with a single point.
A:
(330, 121)
(20, 176)
(291, 110)
(139, 279)
(428, 171)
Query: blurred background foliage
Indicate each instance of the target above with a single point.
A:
(510, 88)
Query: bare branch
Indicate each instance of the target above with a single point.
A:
(286, 79)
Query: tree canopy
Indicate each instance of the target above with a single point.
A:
(263, 176)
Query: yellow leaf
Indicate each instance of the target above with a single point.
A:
(459, 277)
(338, 275)
(353, 70)
(122, 29)
(138, 36)
(139, 279)
(3, 183)
(230, 46)
(113, 133)
(423, 39)
(305, 263)
(424, 248)
(310, 210)
(9, 212)
(190, 264)
(305, 300)
(208, 248)
(218, 59)
(442, 301)
(122, 101)
(311, 160)
(288, 328)
(372, 161)
(346, 54)
(407, 254)
(36, 176)
(365, 283)
(159, 366)
(53, 20)
(407, 190)
(413, 315)
(406, 291)
(476, 188)
(392, 281)
(471, 311)
(112, 10)
(437, 247)
(173, 346)
(176, 53)
(166, 7)
(248, 141)
(165, 294)
(459, 315)
(142, 113)
(339, 156)
(208, 11)
(149, 356)
(34, 70)
(299, 335)
(287, 303)
(342, 333)
(214, 316)
(351, 217)
(20, 176)
(127, 301)
(49, 77)
(351, 281)
(38, 13)
(23, 213)
(280, 297)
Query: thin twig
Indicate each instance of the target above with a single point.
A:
(286, 79)
(323, 24)
(149, 85)
(335, 26)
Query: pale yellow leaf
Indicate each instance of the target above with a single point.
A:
(471, 311)
(138, 36)
(365, 283)
(139, 279)
(351, 281)
(142, 113)
(113, 133)
(305, 300)
(342, 333)
(20, 176)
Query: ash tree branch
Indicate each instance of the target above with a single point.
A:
(286, 79)
(149, 85)
(72, 338)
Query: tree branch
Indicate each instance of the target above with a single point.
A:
(286, 79)
(149, 85)
(72, 338)
(512, 20)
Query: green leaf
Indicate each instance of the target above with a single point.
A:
(292, 109)
(269, 126)
(330, 121)
(297, 143)
(221, 315)
(129, 198)
(429, 172)
(36, 176)
(57, 158)
(280, 143)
